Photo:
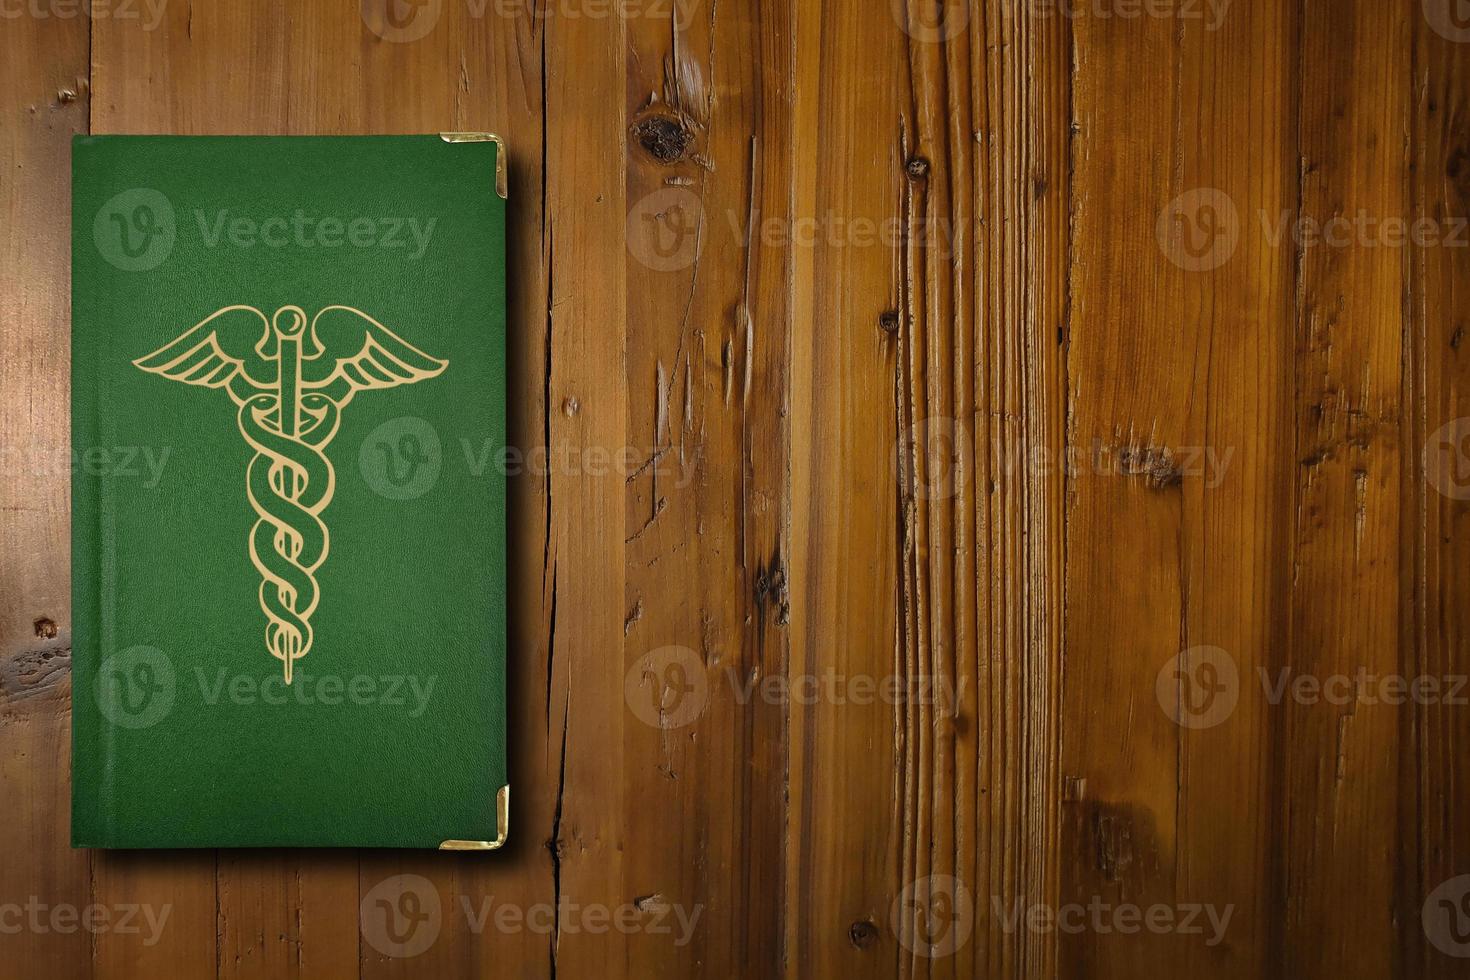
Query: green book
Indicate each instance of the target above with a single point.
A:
(288, 503)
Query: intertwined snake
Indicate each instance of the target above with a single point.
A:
(289, 420)
(289, 483)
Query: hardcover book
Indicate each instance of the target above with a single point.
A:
(288, 525)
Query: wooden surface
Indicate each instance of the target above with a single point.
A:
(952, 388)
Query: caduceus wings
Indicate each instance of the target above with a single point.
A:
(289, 421)
(195, 356)
(384, 359)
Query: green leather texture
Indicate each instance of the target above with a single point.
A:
(288, 417)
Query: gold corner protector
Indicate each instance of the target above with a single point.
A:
(502, 828)
(502, 186)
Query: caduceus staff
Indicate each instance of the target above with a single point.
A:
(289, 420)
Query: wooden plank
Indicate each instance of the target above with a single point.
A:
(174, 889)
(586, 310)
(278, 914)
(1179, 379)
(961, 319)
(1015, 405)
(1435, 785)
(708, 272)
(43, 101)
(505, 93)
(846, 761)
(1340, 772)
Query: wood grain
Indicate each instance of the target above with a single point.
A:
(962, 352)
(43, 74)
(1179, 356)
(1434, 584)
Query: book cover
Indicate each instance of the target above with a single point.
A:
(288, 508)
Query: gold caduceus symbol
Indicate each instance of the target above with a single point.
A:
(288, 420)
